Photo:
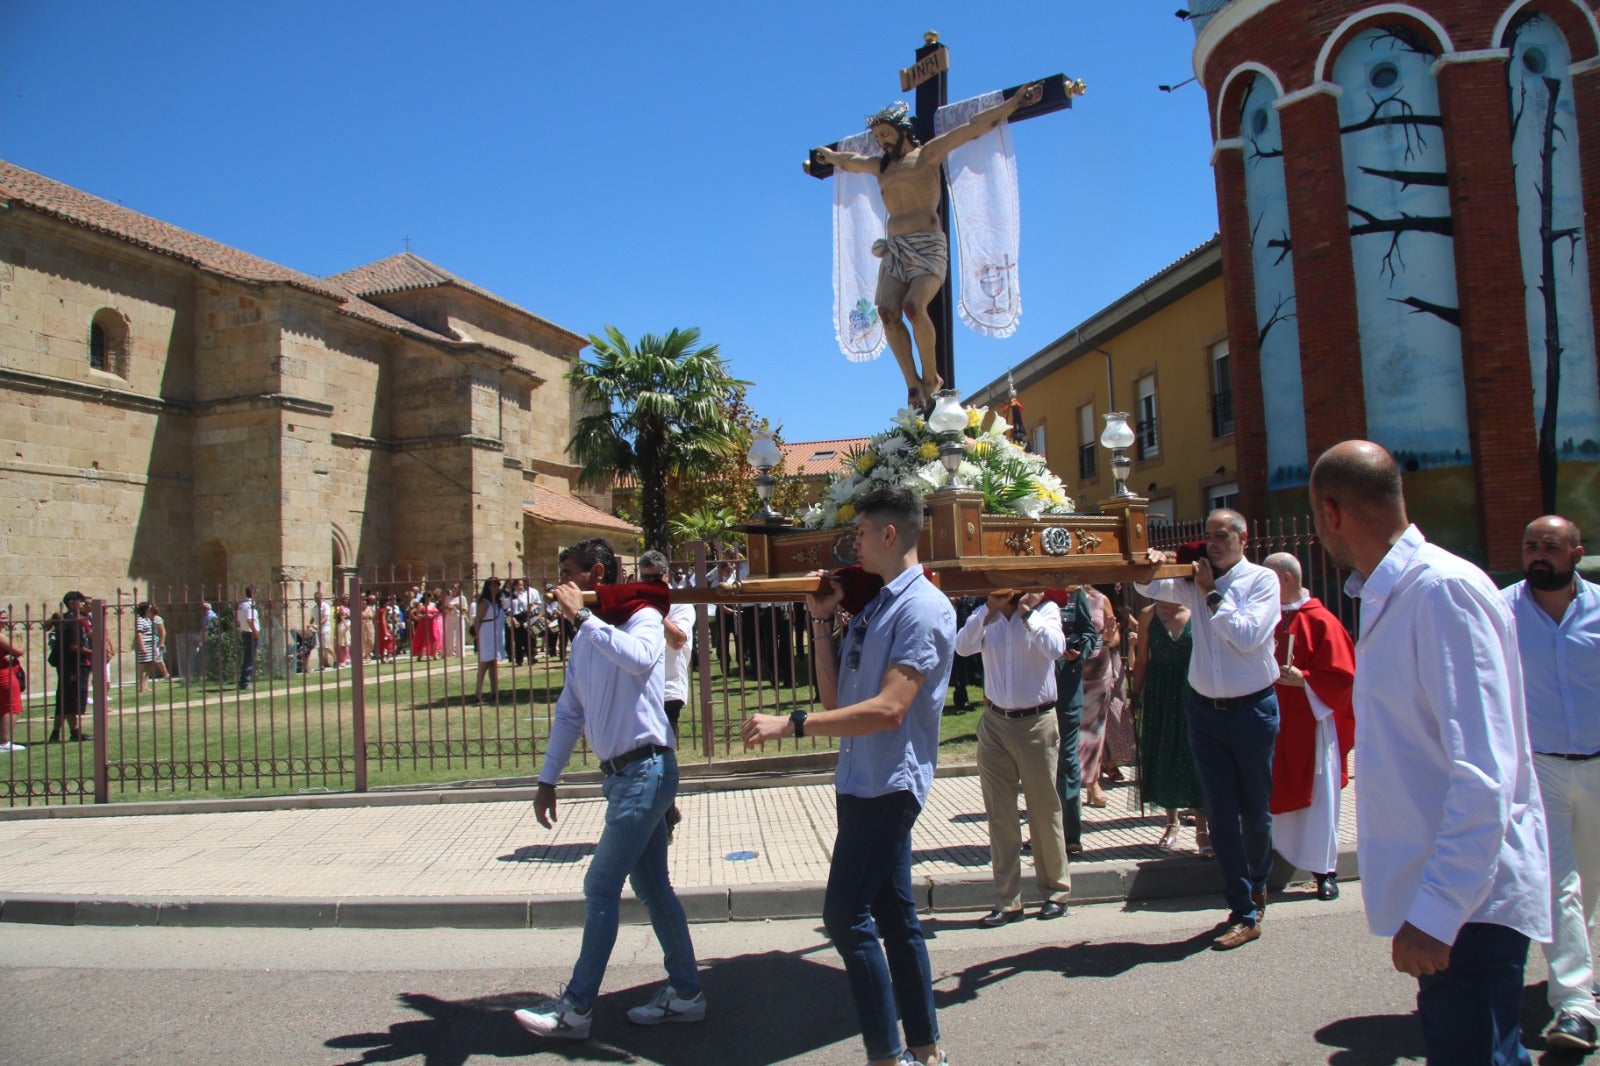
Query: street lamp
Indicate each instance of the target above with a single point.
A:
(949, 420)
(1118, 436)
(764, 455)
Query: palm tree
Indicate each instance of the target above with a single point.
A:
(655, 408)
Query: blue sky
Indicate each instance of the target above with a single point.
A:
(628, 163)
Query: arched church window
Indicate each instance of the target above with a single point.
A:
(108, 342)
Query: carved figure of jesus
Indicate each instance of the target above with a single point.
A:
(914, 249)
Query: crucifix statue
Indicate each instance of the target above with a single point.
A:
(914, 275)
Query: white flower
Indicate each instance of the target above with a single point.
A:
(932, 475)
(970, 473)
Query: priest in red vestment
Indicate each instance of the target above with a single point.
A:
(1316, 728)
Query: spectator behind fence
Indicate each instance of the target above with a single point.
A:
(322, 623)
(74, 661)
(489, 622)
(456, 618)
(249, 621)
(11, 689)
(147, 645)
(1454, 864)
(1558, 635)
(1160, 685)
(1233, 709)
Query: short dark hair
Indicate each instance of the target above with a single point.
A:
(594, 550)
(897, 506)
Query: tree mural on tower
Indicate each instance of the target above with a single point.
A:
(1561, 338)
(1402, 247)
(1272, 262)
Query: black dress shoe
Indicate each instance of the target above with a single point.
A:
(1327, 887)
(1571, 1031)
(1074, 848)
(1051, 909)
(997, 917)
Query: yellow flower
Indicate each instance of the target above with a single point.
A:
(846, 512)
(973, 418)
(982, 448)
(867, 461)
(929, 450)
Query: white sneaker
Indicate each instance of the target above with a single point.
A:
(555, 1019)
(8, 746)
(908, 1059)
(668, 1006)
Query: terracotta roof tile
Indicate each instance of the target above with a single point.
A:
(807, 458)
(406, 271)
(52, 198)
(546, 505)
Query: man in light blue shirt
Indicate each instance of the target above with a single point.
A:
(1558, 633)
(884, 698)
(1452, 840)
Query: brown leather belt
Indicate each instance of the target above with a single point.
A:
(611, 766)
(1026, 712)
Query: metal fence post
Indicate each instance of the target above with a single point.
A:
(102, 701)
(358, 678)
(702, 649)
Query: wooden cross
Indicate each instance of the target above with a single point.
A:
(928, 76)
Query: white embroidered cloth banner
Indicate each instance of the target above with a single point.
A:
(859, 218)
(988, 219)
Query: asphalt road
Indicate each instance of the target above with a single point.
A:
(1109, 984)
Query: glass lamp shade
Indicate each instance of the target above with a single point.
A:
(764, 453)
(1117, 434)
(948, 415)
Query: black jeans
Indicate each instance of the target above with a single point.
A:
(247, 658)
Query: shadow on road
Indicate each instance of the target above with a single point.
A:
(741, 1029)
(1072, 960)
(1386, 1039)
(552, 853)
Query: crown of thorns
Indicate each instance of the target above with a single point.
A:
(897, 114)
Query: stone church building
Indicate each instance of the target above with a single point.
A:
(177, 412)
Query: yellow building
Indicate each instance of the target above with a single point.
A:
(1159, 353)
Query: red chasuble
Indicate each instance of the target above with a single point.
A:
(1324, 652)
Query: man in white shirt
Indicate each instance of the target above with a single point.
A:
(322, 619)
(1232, 710)
(249, 635)
(1452, 838)
(1558, 635)
(1019, 740)
(612, 696)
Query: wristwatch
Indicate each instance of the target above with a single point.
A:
(583, 615)
(798, 720)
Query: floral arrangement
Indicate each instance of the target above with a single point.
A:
(1011, 480)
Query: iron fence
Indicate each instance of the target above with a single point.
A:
(342, 702)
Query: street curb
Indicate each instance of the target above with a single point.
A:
(1108, 882)
(581, 785)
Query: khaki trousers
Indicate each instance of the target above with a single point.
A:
(1025, 750)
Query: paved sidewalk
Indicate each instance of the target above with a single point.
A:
(741, 853)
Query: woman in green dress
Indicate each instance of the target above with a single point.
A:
(1160, 679)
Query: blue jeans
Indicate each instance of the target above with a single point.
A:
(869, 895)
(247, 658)
(1233, 754)
(1069, 770)
(1472, 1012)
(633, 847)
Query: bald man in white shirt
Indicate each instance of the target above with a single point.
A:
(1452, 839)
(1232, 710)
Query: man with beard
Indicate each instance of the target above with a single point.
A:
(1558, 634)
(1452, 841)
(1232, 710)
(914, 249)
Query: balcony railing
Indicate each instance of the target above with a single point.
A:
(1147, 440)
(1222, 414)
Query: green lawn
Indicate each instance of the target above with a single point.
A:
(192, 739)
